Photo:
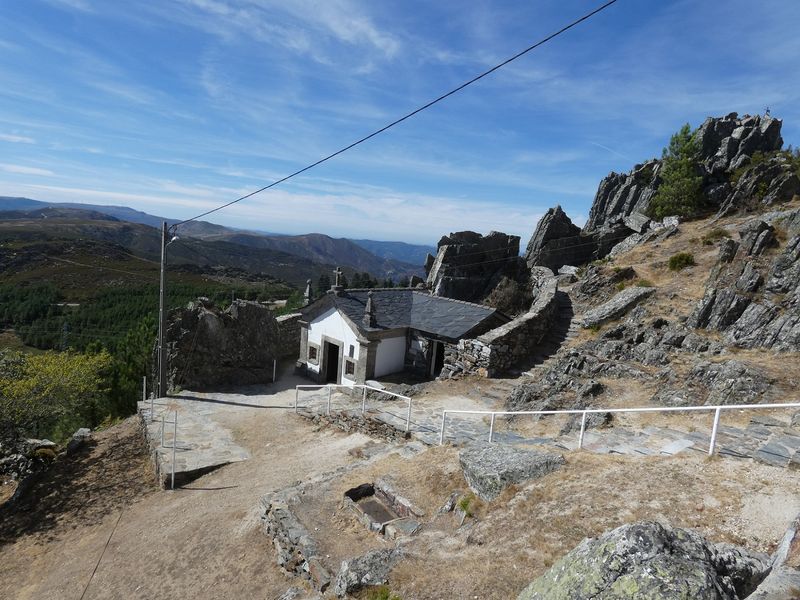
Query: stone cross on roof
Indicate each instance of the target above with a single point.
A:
(338, 273)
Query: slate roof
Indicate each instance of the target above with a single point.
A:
(416, 309)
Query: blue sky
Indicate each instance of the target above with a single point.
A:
(175, 106)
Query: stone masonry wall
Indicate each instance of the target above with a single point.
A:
(289, 335)
(502, 348)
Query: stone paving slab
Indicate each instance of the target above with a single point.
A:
(765, 439)
(202, 445)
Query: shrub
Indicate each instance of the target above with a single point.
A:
(381, 592)
(47, 454)
(465, 504)
(680, 192)
(715, 235)
(681, 260)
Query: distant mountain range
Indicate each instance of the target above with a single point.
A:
(224, 245)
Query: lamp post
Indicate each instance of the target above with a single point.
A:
(162, 312)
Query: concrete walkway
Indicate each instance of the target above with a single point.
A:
(204, 443)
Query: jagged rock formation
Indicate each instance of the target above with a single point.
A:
(752, 295)
(468, 265)
(557, 242)
(208, 347)
(622, 194)
(654, 561)
(740, 168)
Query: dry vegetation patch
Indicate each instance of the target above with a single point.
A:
(521, 534)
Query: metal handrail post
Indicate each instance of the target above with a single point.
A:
(174, 443)
(274, 370)
(441, 435)
(330, 389)
(408, 415)
(364, 402)
(714, 432)
(144, 388)
(491, 429)
(296, 395)
(583, 430)
(162, 430)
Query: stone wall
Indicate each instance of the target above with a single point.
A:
(296, 550)
(350, 422)
(289, 335)
(504, 347)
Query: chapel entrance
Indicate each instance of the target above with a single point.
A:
(331, 357)
(437, 358)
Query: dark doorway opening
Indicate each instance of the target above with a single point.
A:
(437, 361)
(331, 363)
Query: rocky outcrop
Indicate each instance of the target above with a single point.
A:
(726, 147)
(622, 194)
(753, 295)
(654, 561)
(491, 468)
(209, 347)
(714, 384)
(617, 306)
(728, 142)
(468, 265)
(765, 184)
(557, 242)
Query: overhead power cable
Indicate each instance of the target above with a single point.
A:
(406, 116)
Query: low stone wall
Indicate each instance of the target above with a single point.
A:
(506, 346)
(295, 548)
(289, 335)
(353, 421)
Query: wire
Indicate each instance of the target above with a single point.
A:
(108, 541)
(78, 264)
(407, 116)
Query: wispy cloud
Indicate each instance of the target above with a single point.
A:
(16, 139)
(23, 170)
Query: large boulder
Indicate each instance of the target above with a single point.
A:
(653, 561)
(209, 347)
(468, 265)
(491, 468)
(370, 569)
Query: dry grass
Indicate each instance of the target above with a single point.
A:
(522, 533)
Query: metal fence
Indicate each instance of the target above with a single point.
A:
(364, 389)
(583, 412)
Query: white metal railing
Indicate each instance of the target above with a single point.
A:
(364, 388)
(583, 412)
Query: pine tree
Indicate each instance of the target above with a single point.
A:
(681, 189)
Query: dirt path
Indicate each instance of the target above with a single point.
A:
(201, 541)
